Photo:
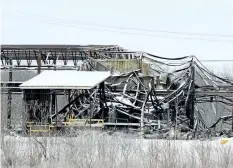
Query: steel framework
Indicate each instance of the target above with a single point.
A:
(144, 100)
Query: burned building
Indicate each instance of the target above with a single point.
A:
(137, 90)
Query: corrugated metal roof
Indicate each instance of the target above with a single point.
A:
(66, 80)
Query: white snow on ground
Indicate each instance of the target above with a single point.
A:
(98, 149)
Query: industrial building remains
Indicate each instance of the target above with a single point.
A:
(110, 87)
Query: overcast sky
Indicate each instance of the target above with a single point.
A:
(87, 22)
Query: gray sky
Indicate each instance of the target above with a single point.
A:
(58, 22)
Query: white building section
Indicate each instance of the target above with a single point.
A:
(66, 80)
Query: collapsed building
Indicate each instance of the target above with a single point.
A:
(110, 87)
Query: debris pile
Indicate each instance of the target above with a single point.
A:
(169, 97)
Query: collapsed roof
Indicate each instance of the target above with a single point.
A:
(179, 92)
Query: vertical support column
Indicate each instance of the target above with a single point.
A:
(50, 107)
(9, 97)
(168, 116)
(142, 120)
(89, 54)
(91, 110)
(232, 120)
(55, 99)
(24, 113)
(69, 98)
(140, 62)
(101, 87)
(102, 98)
(53, 102)
(177, 111)
(143, 111)
(38, 59)
(192, 96)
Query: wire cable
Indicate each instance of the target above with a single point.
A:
(210, 73)
(67, 24)
(119, 27)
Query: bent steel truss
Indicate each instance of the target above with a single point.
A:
(145, 92)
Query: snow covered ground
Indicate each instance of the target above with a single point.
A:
(99, 149)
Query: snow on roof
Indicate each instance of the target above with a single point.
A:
(66, 80)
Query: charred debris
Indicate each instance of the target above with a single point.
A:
(153, 95)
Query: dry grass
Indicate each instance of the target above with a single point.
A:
(98, 149)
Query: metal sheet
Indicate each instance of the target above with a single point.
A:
(66, 80)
